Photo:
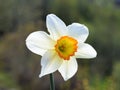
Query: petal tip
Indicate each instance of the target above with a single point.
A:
(49, 15)
(65, 79)
(95, 54)
(41, 75)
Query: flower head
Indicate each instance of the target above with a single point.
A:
(60, 49)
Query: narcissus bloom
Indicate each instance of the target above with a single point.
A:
(61, 47)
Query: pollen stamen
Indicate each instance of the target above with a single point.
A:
(66, 47)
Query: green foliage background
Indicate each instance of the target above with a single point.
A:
(19, 68)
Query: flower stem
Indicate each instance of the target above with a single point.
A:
(52, 84)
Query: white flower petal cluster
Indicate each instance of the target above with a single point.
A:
(41, 43)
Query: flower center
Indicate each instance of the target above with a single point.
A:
(66, 47)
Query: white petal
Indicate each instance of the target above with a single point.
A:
(68, 68)
(78, 31)
(50, 63)
(85, 51)
(38, 42)
(55, 26)
(35, 49)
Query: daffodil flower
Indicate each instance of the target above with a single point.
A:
(61, 47)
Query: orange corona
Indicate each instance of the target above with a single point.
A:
(66, 47)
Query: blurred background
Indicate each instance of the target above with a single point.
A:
(19, 68)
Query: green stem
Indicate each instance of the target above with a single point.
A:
(52, 84)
